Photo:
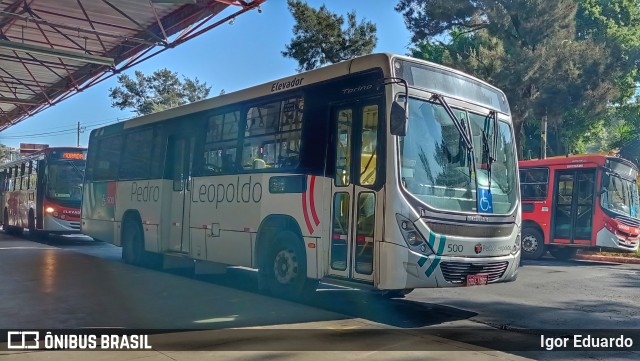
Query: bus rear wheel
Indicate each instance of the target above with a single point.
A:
(563, 254)
(132, 243)
(532, 243)
(286, 267)
(15, 231)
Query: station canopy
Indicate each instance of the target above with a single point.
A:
(53, 49)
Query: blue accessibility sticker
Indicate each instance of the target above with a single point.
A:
(485, 201)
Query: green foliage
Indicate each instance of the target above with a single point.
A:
(568, 60)
(161, 90)
(320, 39)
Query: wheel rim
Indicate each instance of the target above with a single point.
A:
(285, 266)
(530, 244)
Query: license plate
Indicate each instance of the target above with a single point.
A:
(477, 280)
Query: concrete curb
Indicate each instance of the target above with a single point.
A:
(617, 259)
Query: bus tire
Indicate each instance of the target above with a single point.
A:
(532, 243)
(11, 230)
(563, 253)
(286, 267)
(132, 243)
(5, 222)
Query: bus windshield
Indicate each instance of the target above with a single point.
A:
(64, 181)
(620, 195)
(438, 169)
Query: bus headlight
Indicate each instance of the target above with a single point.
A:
(516, 246)
(412, 236)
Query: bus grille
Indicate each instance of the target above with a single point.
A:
(629, 221)
(74, 225)
(457, 272)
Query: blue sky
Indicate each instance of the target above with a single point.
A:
(229, 57)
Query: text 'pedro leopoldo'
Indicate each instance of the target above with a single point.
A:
(586, 342)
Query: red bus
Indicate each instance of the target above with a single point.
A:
(579, 202)
(43, 191)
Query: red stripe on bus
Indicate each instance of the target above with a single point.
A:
(305, 213)
(312, 201)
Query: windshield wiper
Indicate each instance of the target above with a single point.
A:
(81, 173)
(487, 151)
(459, 125)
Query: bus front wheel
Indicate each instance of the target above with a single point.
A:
(286, 268)
(532, 243)
(563, 254)
(132, 243)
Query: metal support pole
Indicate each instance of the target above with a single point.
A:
(543, 138)
(78, 134)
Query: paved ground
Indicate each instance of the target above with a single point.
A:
(577, 295)
(55, 286)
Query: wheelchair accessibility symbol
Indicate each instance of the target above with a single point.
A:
(485, 201)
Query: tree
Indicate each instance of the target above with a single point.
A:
(320, 39)
(567, 60)
(159, 91)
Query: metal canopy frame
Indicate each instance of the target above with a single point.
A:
(51, 50)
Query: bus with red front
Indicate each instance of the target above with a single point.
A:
(585, 202)
(42, 192)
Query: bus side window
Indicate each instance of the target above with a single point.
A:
(272, 135)
(221, 142)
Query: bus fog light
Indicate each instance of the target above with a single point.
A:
(516, 246)
(412, 236)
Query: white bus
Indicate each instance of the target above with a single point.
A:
(335, 174)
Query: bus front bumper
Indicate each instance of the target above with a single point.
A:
(419, 271)
(609, 240)
(57, 225)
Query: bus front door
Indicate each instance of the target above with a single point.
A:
(354, 203)
(572, 216)
(179, 163)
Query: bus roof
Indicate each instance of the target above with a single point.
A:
(597, 159)
(45, 152)
(359, 64)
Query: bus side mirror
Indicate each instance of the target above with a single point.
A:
(399, 122)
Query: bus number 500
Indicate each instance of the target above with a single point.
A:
(455, 248)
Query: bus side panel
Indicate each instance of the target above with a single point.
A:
(539, 212)
(98, 211)
(322, 202)
(143, 197)
(230, 207)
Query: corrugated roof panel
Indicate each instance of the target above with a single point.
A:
(51, 49)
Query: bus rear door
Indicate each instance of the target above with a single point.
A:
(572, 216)
(179, 162)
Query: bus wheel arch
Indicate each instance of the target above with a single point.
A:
(282, 259)
(533, 246)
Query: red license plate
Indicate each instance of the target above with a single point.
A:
(477, 280)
